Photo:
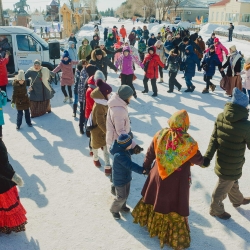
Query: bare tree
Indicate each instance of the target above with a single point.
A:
(176, 4)
(163, 7)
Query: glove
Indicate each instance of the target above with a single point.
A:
(18, 180)
(166, 67)
(13, 105)
(206, 162)
(137, 149)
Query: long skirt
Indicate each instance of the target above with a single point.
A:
(39, 108)
(233, 81)
(12, 213)
(172, 229)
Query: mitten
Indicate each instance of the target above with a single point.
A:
(137, 149)
(13, 105)
(206, 162)
(18, 180)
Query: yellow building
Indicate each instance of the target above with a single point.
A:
(230, 11)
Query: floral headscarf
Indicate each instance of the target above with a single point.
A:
(174, 146)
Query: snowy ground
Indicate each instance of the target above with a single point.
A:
(67, 199)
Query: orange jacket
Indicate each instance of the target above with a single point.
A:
(123, 32)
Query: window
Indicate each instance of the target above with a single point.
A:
(212, 18)
(246, 18)
(217, 16)
(26, 43)
(222, 16)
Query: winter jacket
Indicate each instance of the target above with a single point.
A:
(176, 42)
(108, 52)
(230, 29)
(190, 60)
(5, 46)
(202, 46)
(211, 61)
(161, 53)
(99, 114)
(210, 41)
(115, 35)
(3, 72)
(230, 137)
(6, 170)
(237, 67)
(81, 90)
(132, 38)
(182, 46)
(3, 101)
(145, 34)
(118, 121)
(154, 61)
(73, 39)
(139, 32)
(109, 44)
(152, 41)
(125, 63)
(103, 63)
(73, 55)
(67, 77)
(20, 96)
(159, 38)
(246, 79)
(105, 33)
(142, 47)
(89, 101)
(219, 48)
(94, 43)
(123, 165)
(84, 50)
(123, 32)
(173, 62)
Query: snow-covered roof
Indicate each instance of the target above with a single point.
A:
(193, 4)
(53, 2)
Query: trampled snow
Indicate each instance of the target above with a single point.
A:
(68, 199)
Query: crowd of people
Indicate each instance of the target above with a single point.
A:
(164, 206)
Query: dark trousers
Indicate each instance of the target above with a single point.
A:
(128, 80)
(153, 83)
(172, 81)
(160, 71)
(64, 91)
(1, 131)
(82, 116)
(20, 117)
(74, 70)
(142, 55)
(230, 36)
(207, 80)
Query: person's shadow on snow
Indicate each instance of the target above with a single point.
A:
(31, 186)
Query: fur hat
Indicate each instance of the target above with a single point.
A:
(125, 92)
(99, 75)
(101, 42)
(104, 88)
(238, 97)
(91, 69)
(37, 62)
(233, 48)
(98, 52)
(21, 75)
(124, 140)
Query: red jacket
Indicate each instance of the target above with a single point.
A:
(123, 32)
(154, 62)
(89, 101)
(3, 72)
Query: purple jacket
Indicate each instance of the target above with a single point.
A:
(125, 63)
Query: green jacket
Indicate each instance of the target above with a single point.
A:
(230, 137)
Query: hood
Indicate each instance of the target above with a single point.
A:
(152, 47)
(190, 48)
(70, 43)
(96, 94)
(116, 148)
(91, 81)
(116, 101)
(234, 112)
(85, 39)
(93, 55)
(126, 48)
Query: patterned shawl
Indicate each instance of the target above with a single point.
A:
(174, 146)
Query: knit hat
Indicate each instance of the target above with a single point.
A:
(247, 60)
(99, 75)
(101, 42)
(110, 35)
(176, 50)
(159, 33)
(91, 69)
(37, 62)
(124, 140)
(185, 39)
(152, 34)
(21, 75)
(212, 47)
(98, 52)
(238, 97)
(104, 88)
(125, 92)
(233, 48)
(216, 39)
(159, 42)
(65, 54)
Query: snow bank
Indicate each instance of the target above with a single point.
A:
(184, 25)
(87, 31)
(157, 28)
(208, 28)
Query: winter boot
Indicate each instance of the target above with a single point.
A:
(154, 94)
(244, 202)
(145, 91)
(224, 216)
(107, 170)
(74, 110)
(125, 209)
(188, 90)
(170, 91)
(205, 90)
(70, 100)
(97, 164)
(116, 216)
(66, 99)
(212, 87)
(81, 130)
(179, 88)
(192, 88)
(161, 80)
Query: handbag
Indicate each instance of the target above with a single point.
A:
(224, 82)
(89, 125)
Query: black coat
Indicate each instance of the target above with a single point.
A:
(182, 46)
(177, 41)
(94, 43)
(6, 170)
(237, 67)
(210, 41)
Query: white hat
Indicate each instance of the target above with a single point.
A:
(247, 60)
(21, 75)
(233, 48)
(99, 75)
(101, 42)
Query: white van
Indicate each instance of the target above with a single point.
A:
(26, 46)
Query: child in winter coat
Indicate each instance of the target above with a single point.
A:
(219, 49)
(20, 99)
(209, 62)
(67, 78)
(142, 48)
(246, 78)
(3, 72)
(3, 101)
(122, 172)
(117, 46)
(152, 40)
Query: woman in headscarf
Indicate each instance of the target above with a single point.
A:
(233, 65)
(40, 90)
(84, 50)
(164, 206)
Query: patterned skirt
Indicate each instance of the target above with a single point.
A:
(39, 108)
(171, 229)
(12, 213)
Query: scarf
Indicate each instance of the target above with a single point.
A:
(66, 62)
(235, 56)
(174, 146)
(101, 101)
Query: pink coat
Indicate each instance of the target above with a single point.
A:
(117, 122)
(246, 79)
(67, 77)
(219, 48)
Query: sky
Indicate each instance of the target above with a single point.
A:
(40, 4)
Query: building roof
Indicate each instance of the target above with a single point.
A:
(55, 3)
(221, 3)
(193, 4)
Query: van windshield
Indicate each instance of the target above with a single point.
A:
(40, 40)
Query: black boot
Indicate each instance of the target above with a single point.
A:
(188, 90)
(74, 110)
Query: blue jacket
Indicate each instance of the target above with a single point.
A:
(123, 165)
(168, 45)
(190, 61)
(139, 32)
(211, 62)
(3, 101)
(145, 34)
(152, 41)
